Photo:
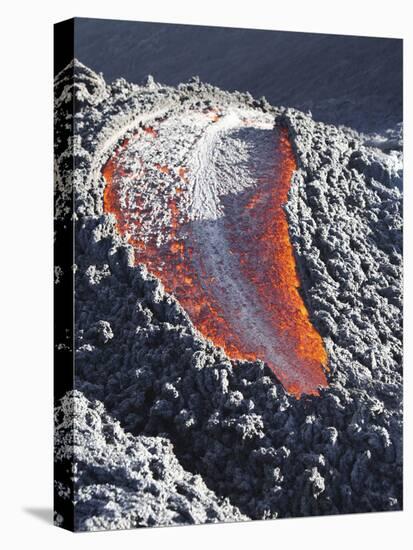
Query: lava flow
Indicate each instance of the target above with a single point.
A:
(266, 259)
(235, 275)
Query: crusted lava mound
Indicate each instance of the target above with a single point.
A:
(171, 425)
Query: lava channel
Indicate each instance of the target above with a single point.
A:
(235, 275)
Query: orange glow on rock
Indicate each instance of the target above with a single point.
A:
(183, 174)
(151, 131)
(163, 169)
(259, 243)
(212, 114)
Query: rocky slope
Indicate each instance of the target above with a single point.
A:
(150, 381)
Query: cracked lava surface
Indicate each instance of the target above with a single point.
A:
(210, 224)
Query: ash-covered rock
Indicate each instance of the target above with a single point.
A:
(122, 481)
(345, 213)
(231, 422)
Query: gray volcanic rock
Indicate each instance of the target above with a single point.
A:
(122, 481)
(231, 422)
(345, 214)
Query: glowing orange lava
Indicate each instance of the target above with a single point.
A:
(270, 265)
(259, 244)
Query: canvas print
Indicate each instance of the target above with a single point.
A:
(228, 274)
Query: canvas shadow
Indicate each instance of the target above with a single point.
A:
(41, 513)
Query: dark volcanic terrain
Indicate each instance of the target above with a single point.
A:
(169, 429)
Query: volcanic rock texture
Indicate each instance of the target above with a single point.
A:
(168, 423)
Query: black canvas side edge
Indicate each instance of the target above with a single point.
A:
(64, 288)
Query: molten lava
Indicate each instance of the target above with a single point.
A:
(255, 233)
(270, 266)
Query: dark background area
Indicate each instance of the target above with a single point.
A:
(342, 79)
